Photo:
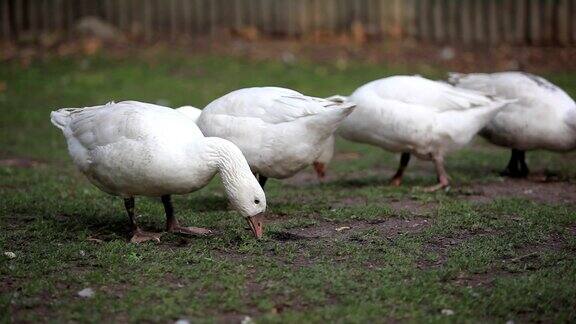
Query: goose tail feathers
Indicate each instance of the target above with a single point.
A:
(475, 81)
(343, 103)
(455, 77)
(340, 109)
(61, 117)
(337, 98)
(487, 112)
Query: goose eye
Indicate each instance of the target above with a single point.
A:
(256, 201)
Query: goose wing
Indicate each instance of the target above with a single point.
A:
(269, 104)
(507, 84)
(128, 120)
(440, 96)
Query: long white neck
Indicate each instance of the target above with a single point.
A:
(233, 167)
(228, 158)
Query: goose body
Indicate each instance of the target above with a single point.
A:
(414, 115)
(132, 149)
(543, 117)
(280, 131)
(319, 165)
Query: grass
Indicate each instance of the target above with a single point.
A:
(408, 255)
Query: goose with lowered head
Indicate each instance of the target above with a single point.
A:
(414, 115)
(133, 149)
(544, 117)
(280, 131)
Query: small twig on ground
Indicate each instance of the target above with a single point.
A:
(526, 256)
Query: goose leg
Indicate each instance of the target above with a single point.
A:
(443, 180)
(172, 224)
(320, 169)
(523, 170)
(512, 169)
(397, 178)
(262, 180)
(138, 235)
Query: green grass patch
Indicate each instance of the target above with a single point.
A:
(407, 255)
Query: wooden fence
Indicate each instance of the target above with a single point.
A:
(521, 22)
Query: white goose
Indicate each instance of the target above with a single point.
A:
(190, 112)
(544, 117)
(280, 131)
(132, 149)
(320, 163)
(414, 115)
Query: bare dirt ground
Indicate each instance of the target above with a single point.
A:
(388, 228)
(536, 188)
(528, 255)
(549, 192)
(20, 162)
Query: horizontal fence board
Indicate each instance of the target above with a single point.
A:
(517, 22)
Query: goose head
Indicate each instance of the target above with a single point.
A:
(243, 190)
(248, 198)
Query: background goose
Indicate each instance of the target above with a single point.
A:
(280, 131)
(544, 117)
(414, 115)
(320, 163)
(190, 112)
(132, 149)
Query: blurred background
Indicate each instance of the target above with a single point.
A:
(490, 34)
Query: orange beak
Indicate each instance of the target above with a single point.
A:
(256, 224)
(320, 169)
